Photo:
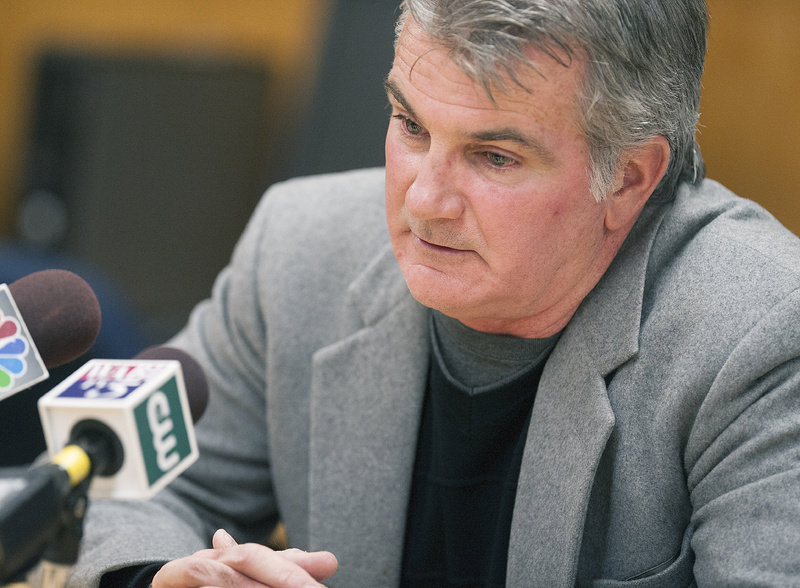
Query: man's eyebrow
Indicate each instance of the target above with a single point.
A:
(515, 136)
(395, 92)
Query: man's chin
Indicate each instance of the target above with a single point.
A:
(435, 289)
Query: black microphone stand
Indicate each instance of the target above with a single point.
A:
(41, 525)
(61, 553)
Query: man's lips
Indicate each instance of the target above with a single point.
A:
(443, 240)
(435, 246)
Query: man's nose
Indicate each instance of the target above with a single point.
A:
(435, 192)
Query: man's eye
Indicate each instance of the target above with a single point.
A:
(412, 127)
(498, 160)
(409, 126)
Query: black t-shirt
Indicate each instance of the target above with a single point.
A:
(465, 481)
(133, 577)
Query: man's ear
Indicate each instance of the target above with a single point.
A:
(641, 169)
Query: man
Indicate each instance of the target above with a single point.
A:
(569, 361)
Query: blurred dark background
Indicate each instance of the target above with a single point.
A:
(136, 137)
(148, 132)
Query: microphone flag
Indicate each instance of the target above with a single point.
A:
(21, 366)
(145, 404)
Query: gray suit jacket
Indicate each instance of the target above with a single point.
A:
(663, 446)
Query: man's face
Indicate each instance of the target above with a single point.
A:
(488, 204)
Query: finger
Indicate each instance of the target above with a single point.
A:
(271, 567)
(222, 540)
(320, 564)
(194, 572)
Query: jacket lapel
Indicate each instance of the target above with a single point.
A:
(572, 419)
(366, 399)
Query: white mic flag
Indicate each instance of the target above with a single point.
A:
(145, 404)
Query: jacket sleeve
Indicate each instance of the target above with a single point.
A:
(743, 460)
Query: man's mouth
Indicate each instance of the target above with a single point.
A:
(437, 240)
(436, 246)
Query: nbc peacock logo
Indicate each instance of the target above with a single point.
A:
(13, 349)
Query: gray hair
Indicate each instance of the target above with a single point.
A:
(644, 60)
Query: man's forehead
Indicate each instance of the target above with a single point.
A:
(423, 73)
(420, 59)
(429, 64)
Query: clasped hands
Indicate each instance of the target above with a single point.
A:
(230, 565)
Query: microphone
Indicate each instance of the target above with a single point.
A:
(118, 428)
(132, 418)
(47, 319)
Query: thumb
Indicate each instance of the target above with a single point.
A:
(223, 540)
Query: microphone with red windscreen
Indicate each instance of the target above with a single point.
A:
(47, 319)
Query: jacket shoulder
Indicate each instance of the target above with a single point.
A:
(717, 254)
(320, 219)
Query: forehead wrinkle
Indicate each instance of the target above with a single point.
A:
(414, 58)
(432, 62)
